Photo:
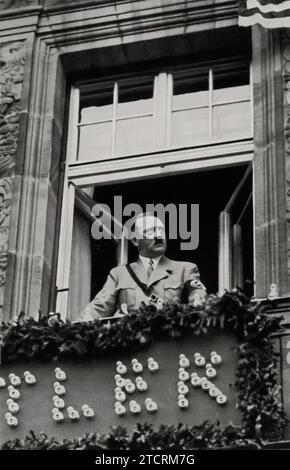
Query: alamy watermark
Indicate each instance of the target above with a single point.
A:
(182, 221)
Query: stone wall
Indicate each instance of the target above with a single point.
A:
(12, 58)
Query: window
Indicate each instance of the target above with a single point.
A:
(177, 108)
(134, 127)
(113, 117)
(210, 106)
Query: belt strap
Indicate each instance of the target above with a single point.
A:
(139, 283)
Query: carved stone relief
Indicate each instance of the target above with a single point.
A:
(5, 207)
(12, 58)
(286, 73)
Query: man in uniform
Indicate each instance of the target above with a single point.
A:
(152, 278)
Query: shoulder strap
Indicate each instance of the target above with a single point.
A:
(139, 283)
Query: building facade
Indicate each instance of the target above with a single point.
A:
(154, 101)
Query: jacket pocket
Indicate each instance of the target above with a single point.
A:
(172, 290)
(126, 294)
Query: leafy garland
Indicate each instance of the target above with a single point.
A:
(204, 436)
(256, 377)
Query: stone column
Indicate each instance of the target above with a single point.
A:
(33, 102)
(269, 164)
(35, 202)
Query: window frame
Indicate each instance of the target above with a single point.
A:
(162, 112)
(129, 168)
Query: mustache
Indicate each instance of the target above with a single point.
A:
(159, 241)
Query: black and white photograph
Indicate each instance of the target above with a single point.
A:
(145, 230)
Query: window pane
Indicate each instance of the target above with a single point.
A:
(231, 94)
(95, 141)
(190, 91)
(135, 97)
(190, 127)
(232, 121)
(230, 76)
(134, 135)
(134, 108)
(97, 104)
(93, 113)
(190, 100)
(190, 82)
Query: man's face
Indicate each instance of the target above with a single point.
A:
(150, 237)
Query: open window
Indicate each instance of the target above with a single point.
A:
(236, 238)
(224, 253)
(180, 135)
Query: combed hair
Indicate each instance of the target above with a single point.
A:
(142, 215)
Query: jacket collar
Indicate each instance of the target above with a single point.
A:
(163, 268)
(138, 268)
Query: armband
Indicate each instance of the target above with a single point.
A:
(190, 286)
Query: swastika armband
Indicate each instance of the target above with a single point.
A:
(190, 286)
